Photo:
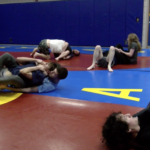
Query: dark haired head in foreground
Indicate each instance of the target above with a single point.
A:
(123, 131)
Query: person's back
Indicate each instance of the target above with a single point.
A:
(56, 45)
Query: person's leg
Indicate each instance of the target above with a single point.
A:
(62, 55)
(97, 55)
(66, 52)
(110, 57)
(13, 80)
(5, 72)
(8, 60)
(66, 44)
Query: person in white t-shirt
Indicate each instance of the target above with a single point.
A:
(59, 48)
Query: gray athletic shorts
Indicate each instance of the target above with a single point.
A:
(5, 72)
(103, 63)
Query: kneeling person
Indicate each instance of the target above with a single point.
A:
(59, 48)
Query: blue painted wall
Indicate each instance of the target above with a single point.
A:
(81, 23)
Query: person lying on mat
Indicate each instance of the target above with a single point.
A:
(59, 48)
(33, 76)
(117, 55)
(125, 132)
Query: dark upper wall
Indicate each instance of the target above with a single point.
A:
(81, 23)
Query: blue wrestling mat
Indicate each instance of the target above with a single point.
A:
(120, 87)
(126, 86)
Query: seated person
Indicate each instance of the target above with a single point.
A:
(42, 78)
(59, 48)
(125, 132)
(117, 55)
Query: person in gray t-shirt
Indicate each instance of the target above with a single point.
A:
(116, 54)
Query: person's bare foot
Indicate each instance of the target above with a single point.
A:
(57, 59)
(110, 69)
(91, 67)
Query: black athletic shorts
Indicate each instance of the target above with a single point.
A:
(68, 48)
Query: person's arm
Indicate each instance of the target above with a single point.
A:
(27, 72)
(22, 60)
(22, 90)
(129, 54)
(42, 56)
(34, 50)
(47, 86)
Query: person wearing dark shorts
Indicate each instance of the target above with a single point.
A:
(100, 59)
(125, 57)
(62, 50)
(59, 48)
(117, 55)
(70, 54)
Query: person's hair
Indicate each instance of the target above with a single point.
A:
(75, 53)
(116, 136)
(134, 38)
(52, 66)
(62, 72)
(115, 132)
